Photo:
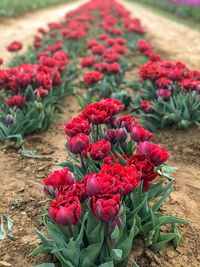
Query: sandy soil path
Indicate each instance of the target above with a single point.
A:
(179, 41)
(23, 28)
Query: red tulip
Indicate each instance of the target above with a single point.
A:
(77, 125)
(101, 183)
(87, 62)
(163, 93)
(143, 45)
(14, 46)
(126, 121)
(60, 178)
(98, 49)
(138, 134)
(41, 92)
(163, 82)
(66, 212)
(113, 68)
(101, 66)
(146, 106)
(77, 189)
(155, 153)
(110, 135)
(100, 149)
(16, 101)
(106, 208)
(127, 176)
(92, 77)
(78, 143)
(121, 134)
(145, 167)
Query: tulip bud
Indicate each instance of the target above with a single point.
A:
(78, 143)
(139, 133)
(110, 135)
(121, 135)
(9, 119)
(163, 94)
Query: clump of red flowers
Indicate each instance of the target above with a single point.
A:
(14, 46)
(104, 150)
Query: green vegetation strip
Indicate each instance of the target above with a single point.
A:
(174, 12)
(16, 7)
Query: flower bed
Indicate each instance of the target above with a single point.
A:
(36, 81)
(109, 191)
(168, 95)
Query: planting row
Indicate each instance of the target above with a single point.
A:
(17, 7)
(168, 92)
(189, 9)
(109, 191)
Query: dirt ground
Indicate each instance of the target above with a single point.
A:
(180, 41)
(23, 28)
(21, 178)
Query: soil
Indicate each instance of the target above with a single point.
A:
(179, 41)
(21, 178)
(23, 28)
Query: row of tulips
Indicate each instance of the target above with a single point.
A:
(169, 95)
(36, 81)
(108, 193)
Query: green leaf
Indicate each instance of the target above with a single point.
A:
(163, 219)
(137, 209)
(89, 255)
(2, 230)
(82, 102)
(158, 203)
(164, 238)
(177, 239)
(107, 264)
(126, 245)
(116, 254)
(115, 233)
(9, 225)
(46, 265)
(29, 153)
(47, 245)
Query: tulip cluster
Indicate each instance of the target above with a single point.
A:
(169, 93)
(105, 187)
(146, 49)
(107, 58)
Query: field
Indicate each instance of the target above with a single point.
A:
(101, 97)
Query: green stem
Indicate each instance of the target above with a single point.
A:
(70, 230)
(83, 163)
(97, 132)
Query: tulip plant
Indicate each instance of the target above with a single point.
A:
(168, 95)
(108, 192)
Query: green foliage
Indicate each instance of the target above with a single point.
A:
(183, 11)
(91, 243)
(16, 7)
(182, 110)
